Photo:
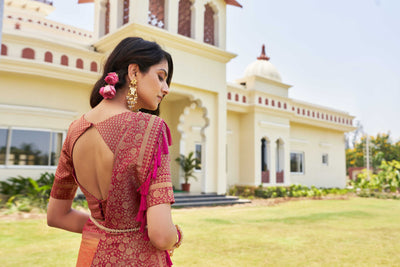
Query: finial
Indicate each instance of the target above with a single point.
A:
(263, 56)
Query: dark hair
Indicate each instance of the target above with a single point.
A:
(131, 50)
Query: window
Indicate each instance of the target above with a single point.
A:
(185, 17)
(325, 159)
(3, 50)
(107, 18)
(79, 63)
(126, 12)
(209, 37)
(3, 145)
(197, 154)
(28, 53)
(297, 162)
(21, 147)
(156, 13)
(64, 60)
(48, 57)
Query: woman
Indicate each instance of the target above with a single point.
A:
(119, 159)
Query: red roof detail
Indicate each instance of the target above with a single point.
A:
(263, 56)
(233, 3)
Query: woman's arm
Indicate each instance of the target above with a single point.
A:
(161, 229)
(61, 215)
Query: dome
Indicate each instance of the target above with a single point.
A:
(262, 67)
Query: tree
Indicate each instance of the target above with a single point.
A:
(381, 148)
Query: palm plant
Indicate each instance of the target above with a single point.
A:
(188, 165)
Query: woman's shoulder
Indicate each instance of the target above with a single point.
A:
(150, 118)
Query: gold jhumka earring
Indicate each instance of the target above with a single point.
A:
(132, 95)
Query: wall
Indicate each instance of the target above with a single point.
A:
(233, 137)
(314, 142)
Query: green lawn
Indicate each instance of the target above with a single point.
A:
(353, 232)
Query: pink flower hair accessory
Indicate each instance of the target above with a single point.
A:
(108, 91)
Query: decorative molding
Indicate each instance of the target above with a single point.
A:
(165, 38)
(48, 112)
(196, 128)
(325, 144)
(268, 123)
(44, 69)
(301, 141)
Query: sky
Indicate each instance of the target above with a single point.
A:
(343, 54)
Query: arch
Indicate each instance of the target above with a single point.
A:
(229, 95)
(93, 66)
(4, 50)
(265, 160)
(266, 101)
(236, 97)
(64, 60)
(48, 57)
(195, 103)
(279, 104)
(28, 53)
(185, 18)
(244, 99)
(259, 100)
(79, 63)
(157, 13)
(285, 105)
(209, 25)
(273, 103)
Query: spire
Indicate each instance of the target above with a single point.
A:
(263, 56)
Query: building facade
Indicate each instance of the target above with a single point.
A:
(247, 132)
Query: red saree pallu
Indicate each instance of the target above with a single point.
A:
(116, 233)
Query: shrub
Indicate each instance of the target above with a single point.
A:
(284, 191)
(385, 184)
(25, 192)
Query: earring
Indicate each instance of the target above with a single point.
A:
(132, 95)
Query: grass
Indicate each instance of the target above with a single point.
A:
(353, 232)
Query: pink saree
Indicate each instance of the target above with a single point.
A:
(140, 179)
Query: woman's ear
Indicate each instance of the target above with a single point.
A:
(132, 70)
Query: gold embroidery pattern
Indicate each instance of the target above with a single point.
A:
(127, 135)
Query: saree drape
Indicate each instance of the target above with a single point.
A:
(140, 179)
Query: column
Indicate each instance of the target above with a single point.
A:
(199, 9)
(172, 10)
(139, 11)
(272, 171)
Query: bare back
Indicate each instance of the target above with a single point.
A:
(93, 163)
(93, 160)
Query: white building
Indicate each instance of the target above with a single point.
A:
(248, 132)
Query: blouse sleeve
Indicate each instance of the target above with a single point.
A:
(64, 186)
(160, 190)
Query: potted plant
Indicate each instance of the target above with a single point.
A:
(188, 165)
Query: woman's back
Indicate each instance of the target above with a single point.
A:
(92, 158)
(93, 163)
